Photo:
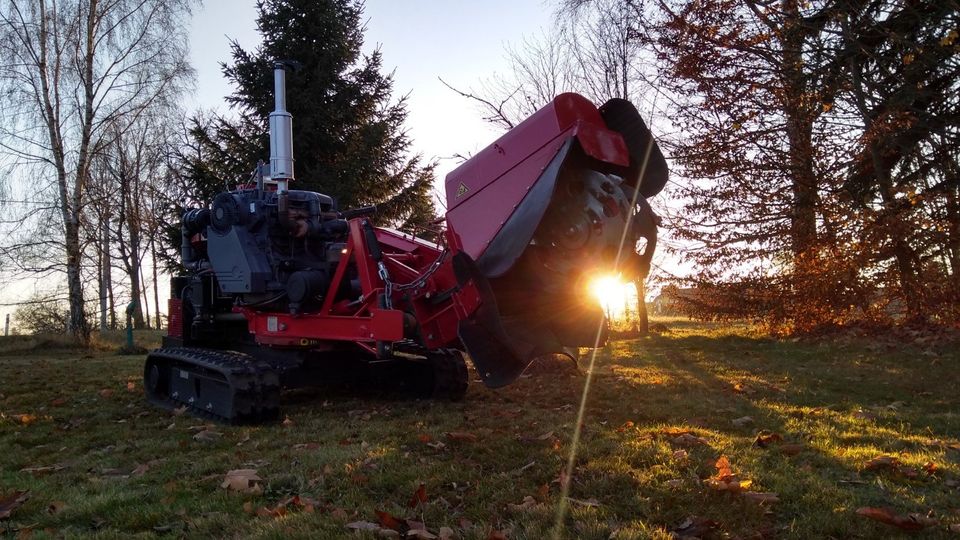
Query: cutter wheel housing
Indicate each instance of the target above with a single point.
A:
(281, 289)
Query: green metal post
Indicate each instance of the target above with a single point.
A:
(130, 307)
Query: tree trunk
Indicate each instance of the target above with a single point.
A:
(156, 287)
(799, 127)
(106, 302)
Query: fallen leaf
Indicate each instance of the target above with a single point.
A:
(306, 446)
(131, 386)
(287, 422)
(687, 440)
(528, 502)
(179, 410)
(106, 392)
(391, 522)
(424, 438)
(58, 402)
(461, 436)
(725, 480)
(792, 449)
(864, 415)
(742, 421)
(694, 527)
(761, 497)
(363, 526)
(42, 470)
(244, 481)
(589, 503)
(930, 467)
(909, 522)
(26, 419)
(56, 507)
(954, 527)
(765, 438)
(339, 513)
(882, 463)
(446, 533)
(680, 455)
(421, 534)
(497, 535)
(11, 502)
(627, 425)
(419, 496)
(207, 435)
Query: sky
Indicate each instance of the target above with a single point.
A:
(461, 41)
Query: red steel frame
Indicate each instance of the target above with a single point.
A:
(416, 310)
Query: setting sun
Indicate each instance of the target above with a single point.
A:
(613, 294)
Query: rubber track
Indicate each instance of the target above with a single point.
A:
(254, 384)
(450, 377)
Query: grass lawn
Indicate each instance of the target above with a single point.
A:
(97, 460)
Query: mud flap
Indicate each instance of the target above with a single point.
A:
(492, 351)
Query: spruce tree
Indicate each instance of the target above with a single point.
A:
(348, 135)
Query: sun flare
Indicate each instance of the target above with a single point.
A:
(613, 294)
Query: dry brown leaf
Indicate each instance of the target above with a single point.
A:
(446, 533)
(207, 435)
(687, 440)
(528, 502)
(363, 526)
(497, 535)
(26, 419)
(56, 507)
(461, 436)
(589, 503)
(179, 410)
(11, 502)
(131, 386)
(761, 497)
(954, 527)
(424, 438)
(43, 469)
(421, 534)
(106, 392)
(792, 449)
(287, 422)
(391, 522)
(680, 455)
(694, 527)
(243, 481)
(627, 425)
(419, 496)
(58, 402)
(909, 522)
(765, 438)
(930, 467)
(742, 421)
(339, 514)
(882, 463)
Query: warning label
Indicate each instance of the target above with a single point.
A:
(462, 190)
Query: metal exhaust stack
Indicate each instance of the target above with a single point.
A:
(281, 130)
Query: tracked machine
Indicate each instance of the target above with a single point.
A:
(281, 289)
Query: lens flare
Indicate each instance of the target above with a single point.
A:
(613, 294)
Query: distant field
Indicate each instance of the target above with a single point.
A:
(661, 412)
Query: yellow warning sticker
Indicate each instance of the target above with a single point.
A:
(462, 190)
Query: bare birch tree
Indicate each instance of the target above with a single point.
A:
(74, 68)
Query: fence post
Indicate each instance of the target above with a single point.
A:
(6, 326)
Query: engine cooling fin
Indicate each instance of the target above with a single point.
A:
(224, 386)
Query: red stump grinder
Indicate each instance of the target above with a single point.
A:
(281, 289)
